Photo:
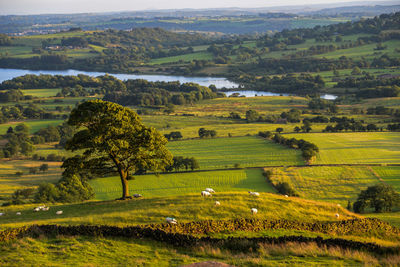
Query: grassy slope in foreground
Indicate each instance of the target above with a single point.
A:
(89, 251)
(183, 183)
(185, 208)
(355, 148)
(248, 151)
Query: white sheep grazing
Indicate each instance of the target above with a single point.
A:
(217, 203)
(1, 214)
(171, 220)
(205, 194)
(337, 215)
(59, 212)
(45, 208)
(254, 211)
(18, 213)
(286, 196)
(36, 209)
(137, 195)
(256, 194)
(210, 190)
(338, 205)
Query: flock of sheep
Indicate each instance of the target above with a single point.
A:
(208, 193)
(39, 208)
(205, 193)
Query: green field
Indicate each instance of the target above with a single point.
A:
(185, 58)
(185, 208)
(34, 125)
(183, 183)
(355, 148)
(89, 251)
(41, 92)
(248, 151)
(389, 175)
(330, 184)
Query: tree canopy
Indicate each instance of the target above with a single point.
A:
(114, 140)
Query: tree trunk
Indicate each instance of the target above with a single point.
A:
(125, 188)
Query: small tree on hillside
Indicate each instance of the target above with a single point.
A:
(44, 167)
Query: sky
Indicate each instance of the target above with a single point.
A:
(22, 7)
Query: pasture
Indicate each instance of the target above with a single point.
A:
(34, 125)
(185, 58)
(330, 184)
(183, 183)
(185, 208)
(247, 151)
(354, 148)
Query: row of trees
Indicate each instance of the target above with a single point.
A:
(309, 150)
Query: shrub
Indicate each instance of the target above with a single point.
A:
(285, 189)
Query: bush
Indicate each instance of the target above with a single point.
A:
(285, 189)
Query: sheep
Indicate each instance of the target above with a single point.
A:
(338, 205)
(18, 213)
(36, 209)
(210, 190)
(137, 195)
(254, 211)
(59, 212)
(45, 208)
(337, 215)
(171, 220)
(256, 194)
(205, 194)
(217, 203)
(1, 213)
(286, 196)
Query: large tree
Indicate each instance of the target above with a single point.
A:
(113, 139)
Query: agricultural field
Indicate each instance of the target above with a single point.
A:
(175, 184)
(330, 184)
(34, 125)
(355, 148)
(248, 151)
(186, 208)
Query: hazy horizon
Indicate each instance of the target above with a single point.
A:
(35, 7)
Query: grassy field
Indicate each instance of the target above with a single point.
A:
(185, 58)
(88, 251)
(355, 148)
(185, 208)
(330, 184)
(389, 175)
(246, 151)
(42, 92)
(34, 125)
(183, 183)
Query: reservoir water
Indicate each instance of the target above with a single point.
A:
(7, 74)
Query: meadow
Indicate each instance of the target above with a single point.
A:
(85, 251)
(355, 148)
(185, 208)
(326, 183)
(175, 184)
(247, 151)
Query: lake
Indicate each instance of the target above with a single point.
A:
(263, 93)
(7, 74)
